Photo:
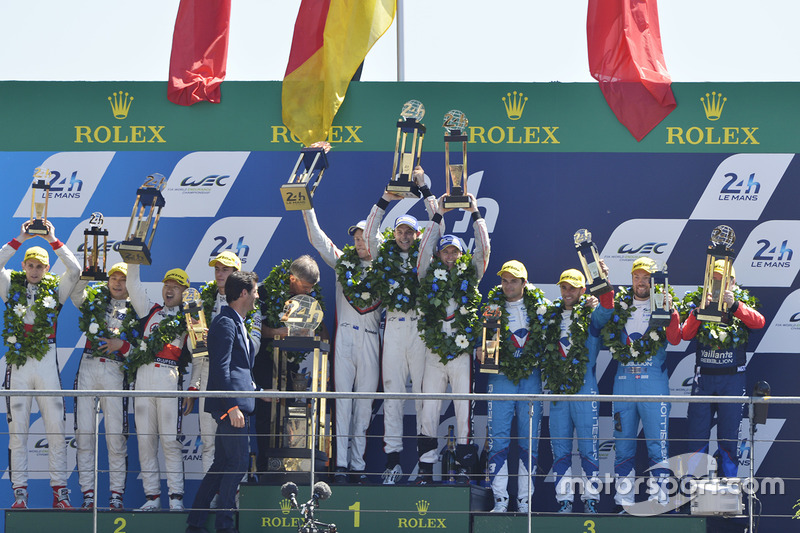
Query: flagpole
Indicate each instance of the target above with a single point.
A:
(401, 68)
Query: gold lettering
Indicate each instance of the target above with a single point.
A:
(279, 131)
(83, 131)
(550, 130)
(749, 132)
(729, 134)
(402, 522)
(674, 132)
(352, 131)
(530, 134)
(107, 131)
(511, 136)
(710, 135)
(116, 135)
(137, 134)
(441, 522)
(496, 129)
(475, 132)
(333, 135)
(155, 130)
(689, 135)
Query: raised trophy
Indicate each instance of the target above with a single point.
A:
(455, 130)
(596, 281)
(40, 194)
(660, 313)
(409, 125)
(94, 268)
(193, 304)
(490, 363)
(146, 213)
(712, 304)
(298, 192)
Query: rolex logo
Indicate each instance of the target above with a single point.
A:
(422, 507)
(515, 105)
(713, 104)
(120, 104)
(286, 506)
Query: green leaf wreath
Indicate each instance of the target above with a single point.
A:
(441, 286)
(92, 320)
(614, 337)
(144, 351)
(719, 335)
(395, 287)
(23, 344)
(353, 278)
(565, 375)
(535, 303)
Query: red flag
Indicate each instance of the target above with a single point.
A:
(625, 56)
(199, 51)
(331, 39)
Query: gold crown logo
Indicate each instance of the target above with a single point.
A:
(713, 104)
(422, 507)
(515, 105)
(120, 104)
(286, 506)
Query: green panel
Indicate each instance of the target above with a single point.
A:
(107, 522)
(361, 508)
(585, 524)
(557, 117)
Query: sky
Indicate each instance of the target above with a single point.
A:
(445, 40)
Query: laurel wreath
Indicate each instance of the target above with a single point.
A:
(353, 278)
(565, 374)
(394, 286)
(441, 286)
(92, 320)
(535, 303)
(719, 335)
(208, 293)
(21, 344)
(145, 351)
(615, 339)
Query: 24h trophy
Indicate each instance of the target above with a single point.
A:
(408, 125)
(596, 281)
(149, 202)
(455, 130)
(714, 308)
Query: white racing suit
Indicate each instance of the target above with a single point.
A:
(157, 417)
(100, 371)
(37, 375)
(404, 353)
(355, 363)
(199, 381)
(458, 371)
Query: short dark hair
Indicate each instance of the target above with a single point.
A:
(238, 281)
(305, 268)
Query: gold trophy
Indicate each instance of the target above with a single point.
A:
(490, 363)
(298, 192)
(93, 267)
(455, 130)
(660, 314)
(149, 200)
(38, 221)
(409, 124)
(596, 281)
(193, 304)
(712, 304)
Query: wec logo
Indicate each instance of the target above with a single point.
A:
(646, 248)
(208, 181)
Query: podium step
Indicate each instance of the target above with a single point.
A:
(514, 523)
(31, 520)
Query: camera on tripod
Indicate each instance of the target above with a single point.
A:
(320, 492)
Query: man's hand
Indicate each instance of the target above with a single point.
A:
(729, 299)
(591, 302)
(187, 405)
(603, 267)
(237, 418)
(418, 175)
(109, 345)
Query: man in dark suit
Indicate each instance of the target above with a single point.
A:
(231, 354)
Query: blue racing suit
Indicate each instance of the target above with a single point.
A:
(580, 417)
(647, 378)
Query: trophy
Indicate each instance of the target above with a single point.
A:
(192, 303)
(136, 246)
(301, 315)
(490, 363)
(409, 124)
(38, 221)
(596, 281)
(455, 130)
(93, 268)
(298, 192)
(712, 304)
(660, 314)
